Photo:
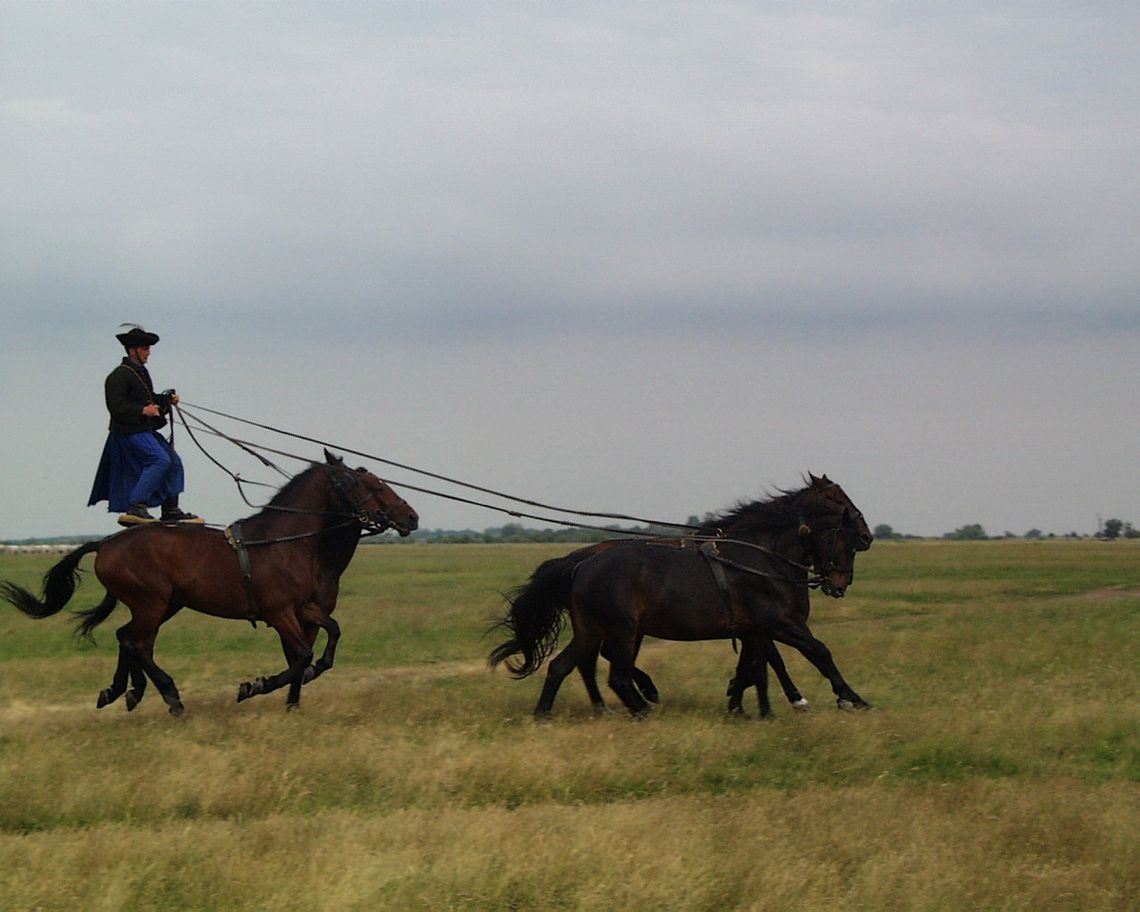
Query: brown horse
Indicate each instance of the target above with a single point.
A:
(750, 583)
(281, 566)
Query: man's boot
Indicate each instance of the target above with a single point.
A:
(171, 513)
(136, 515)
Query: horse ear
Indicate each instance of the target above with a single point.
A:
(331, 459)
(813, 479)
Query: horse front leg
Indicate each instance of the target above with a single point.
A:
(751, 670)
(815, 651)
(298, 655)
(776, 661)
(622, 667)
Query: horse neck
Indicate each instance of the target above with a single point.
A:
(307, 505)
(785, 541)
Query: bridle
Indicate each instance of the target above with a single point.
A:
(375, 520)
(823, 557)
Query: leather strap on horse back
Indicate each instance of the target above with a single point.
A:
(716, 564)
(233, 536)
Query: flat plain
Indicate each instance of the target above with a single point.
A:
(998, 770)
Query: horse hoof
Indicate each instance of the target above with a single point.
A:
(133, 699)
(105, 698)
(177, 709)
(801, 706)
(845, 705)
(245, 691)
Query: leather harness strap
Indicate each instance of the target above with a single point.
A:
(233, 536)
(716, 563)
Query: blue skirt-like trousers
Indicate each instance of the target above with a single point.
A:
(138, 468)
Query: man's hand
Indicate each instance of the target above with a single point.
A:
(151, 411)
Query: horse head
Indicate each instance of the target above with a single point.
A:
(828, 490)
(369, 499)
(834, 530)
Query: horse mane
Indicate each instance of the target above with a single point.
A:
(781, 510)
(287, 490)
(285, 494)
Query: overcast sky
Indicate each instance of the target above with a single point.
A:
(647, 258)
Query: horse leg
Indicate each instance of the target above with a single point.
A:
(751, 670)
(123, 669)
(298, 655)
(622, 657)
(741, 678)
(588, 669)
(328, 657)
(641, 679)
(577, 651)
(815, 651)
(140, 652)
(799, 704)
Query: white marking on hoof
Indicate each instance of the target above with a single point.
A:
(845, 705)
(801, 705)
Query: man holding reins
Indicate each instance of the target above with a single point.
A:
(139, 467)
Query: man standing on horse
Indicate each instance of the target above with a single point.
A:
(139, 468)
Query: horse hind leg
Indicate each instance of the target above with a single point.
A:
(641, 679)
(576, 652)
(142, 656)
(588, 669)
(328, 657)
(751, 670)
(621, 679)
(123, 670)
(126, 669)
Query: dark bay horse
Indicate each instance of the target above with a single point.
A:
(286, 572)
(749, 583)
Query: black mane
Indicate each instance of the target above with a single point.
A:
(787, 508)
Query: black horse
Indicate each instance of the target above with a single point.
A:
(283, 567)
(551, 582)
(751, 582)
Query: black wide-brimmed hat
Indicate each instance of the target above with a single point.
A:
(136, 337)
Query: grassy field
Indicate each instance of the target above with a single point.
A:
(998, 771)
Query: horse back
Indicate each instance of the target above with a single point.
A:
(671, 592)
(188, 565)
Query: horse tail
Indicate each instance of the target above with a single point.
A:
(536, 616)
(59, 586)
(93, 617)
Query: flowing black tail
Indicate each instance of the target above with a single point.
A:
(60, 583)
(536, 616)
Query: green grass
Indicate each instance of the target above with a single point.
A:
(999, 769)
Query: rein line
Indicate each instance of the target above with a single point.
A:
(444, 478)
(239, 481)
